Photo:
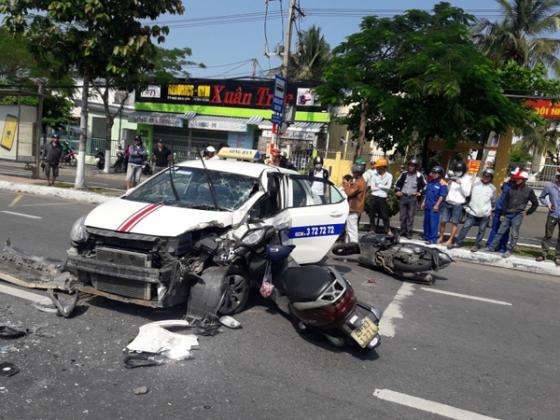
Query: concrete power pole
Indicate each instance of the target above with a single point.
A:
(286, 60)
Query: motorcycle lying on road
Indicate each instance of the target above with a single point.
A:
(387, 253)
(316, 298)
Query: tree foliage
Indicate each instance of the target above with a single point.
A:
(312, 54)
(524, 34)
(418, 76)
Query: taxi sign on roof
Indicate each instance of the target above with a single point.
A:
(238, 153)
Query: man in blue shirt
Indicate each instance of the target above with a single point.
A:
(552, 191)
(435, 194)
(502, 246)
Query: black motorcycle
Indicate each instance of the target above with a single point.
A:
(317, 298)
(119, 165)
(386, 252)
(100, 159)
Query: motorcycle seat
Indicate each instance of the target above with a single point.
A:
(306, 283)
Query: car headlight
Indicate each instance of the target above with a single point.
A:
(78, 233)
(253, 237)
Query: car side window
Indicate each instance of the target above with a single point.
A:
(313, 192)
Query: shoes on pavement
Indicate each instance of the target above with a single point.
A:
(487, 250)
(506, 254)
(408, 236)
(540, 258)
(557, 261)
(452, 246)
(475, 249)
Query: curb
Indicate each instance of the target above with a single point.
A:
(68, 194)
(496, 260)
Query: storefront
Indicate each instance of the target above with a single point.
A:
(194, 114)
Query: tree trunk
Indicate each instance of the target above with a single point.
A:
(80, 169)
(109, 122)
(362, 129)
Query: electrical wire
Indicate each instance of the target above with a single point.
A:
(266, 45)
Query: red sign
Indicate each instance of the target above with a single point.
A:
(474, 166)
(545, 108)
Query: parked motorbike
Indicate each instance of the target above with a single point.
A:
(147, 169)
(68, 155)
(119, 165)
(386, 252)
(100, 159)
(316, 298)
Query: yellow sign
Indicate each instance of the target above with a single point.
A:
(180, 90)
(238, 153)
(9, 132)
(474, 166)
(203, 91)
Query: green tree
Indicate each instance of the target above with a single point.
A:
(311, 56)
(417, 76)
(96, 38)
(525, 34)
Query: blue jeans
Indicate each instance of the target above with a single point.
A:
(431, 225)
(481, 222)
(495, 226)
(513, 221)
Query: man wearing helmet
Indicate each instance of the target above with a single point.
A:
(356, 193)
(459, 189)
(318, 172)
(435, 194)
(51, 158)
(550, 197)
(479, 209)
(408, 189)
(513, 211)
(380, 182)
(210, 152)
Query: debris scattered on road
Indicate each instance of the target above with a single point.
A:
(64, 303)
(230, 322)
(135, 360)
(155, 339)
(8, 349)
(372, 280)
(10, 333)
(8, 369)
(50, 309)
(141, 390)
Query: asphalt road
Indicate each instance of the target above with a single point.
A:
(490, 347)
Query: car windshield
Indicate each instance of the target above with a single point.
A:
(193, 189)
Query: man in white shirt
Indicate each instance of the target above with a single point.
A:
(459, 187)
(479, 209)
(379, 182)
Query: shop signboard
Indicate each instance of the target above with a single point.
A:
(256, 94)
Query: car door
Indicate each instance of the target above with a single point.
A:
(314, 222)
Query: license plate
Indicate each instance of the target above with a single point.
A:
(365, 333)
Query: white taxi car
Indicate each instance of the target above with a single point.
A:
(143, 246)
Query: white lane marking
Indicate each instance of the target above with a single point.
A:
(393, 311)
(459, 295)
(428, 406)
(63, 203)
(15, 200)
(15, 213)
(33, 297)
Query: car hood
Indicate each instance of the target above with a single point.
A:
(128, 216)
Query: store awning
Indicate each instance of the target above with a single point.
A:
(157, 118)
(208, 122)
(190, 115)
(309, 127)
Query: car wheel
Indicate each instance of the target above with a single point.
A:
(236, 293)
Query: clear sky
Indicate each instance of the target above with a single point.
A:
(231, 46)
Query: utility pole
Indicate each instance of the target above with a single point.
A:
(254, 68)
(286, 61)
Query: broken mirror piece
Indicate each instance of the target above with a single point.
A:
(230, 322)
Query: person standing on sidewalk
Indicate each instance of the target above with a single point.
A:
(380, 182)
(137, 157)
(356, 192)
(459, 189)
(506, 186)
(552, 191)
(408, 189)
(479, 209)
(513, 212)
(51, 159)
(162, 156)
(435, 194)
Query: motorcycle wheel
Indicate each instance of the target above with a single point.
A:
(100, 165)
(422, 266)
(345, 249)
(73, 162)
(236, 292)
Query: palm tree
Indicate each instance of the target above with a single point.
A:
(524, 33)
(311, 56)
(541, 140)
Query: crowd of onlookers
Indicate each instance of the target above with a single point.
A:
(453, 198)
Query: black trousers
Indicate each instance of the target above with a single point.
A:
(407, 210)
(380, 209)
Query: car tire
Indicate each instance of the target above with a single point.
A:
(236, 293)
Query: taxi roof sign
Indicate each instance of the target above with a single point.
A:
(239, 153)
